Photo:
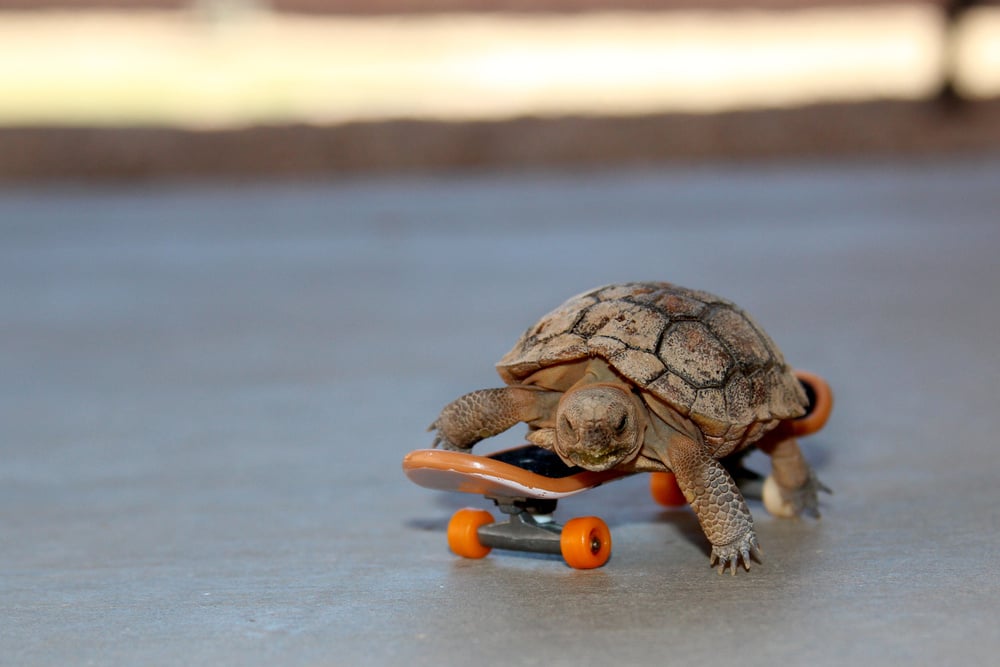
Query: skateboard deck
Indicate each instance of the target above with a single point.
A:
(522, 472)
(526, 483)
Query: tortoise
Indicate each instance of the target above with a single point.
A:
(652, 376)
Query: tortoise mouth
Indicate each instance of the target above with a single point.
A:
(597, 460)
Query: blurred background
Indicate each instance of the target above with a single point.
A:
(159, 88)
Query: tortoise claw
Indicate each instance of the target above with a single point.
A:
(441, 442)
(729, 555)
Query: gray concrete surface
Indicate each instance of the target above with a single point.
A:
(206, 392)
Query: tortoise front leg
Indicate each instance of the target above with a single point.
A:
(717, 502)
(487, 412)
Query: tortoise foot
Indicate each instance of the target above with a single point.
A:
(789, 503)
(729, 555)
(442, 442)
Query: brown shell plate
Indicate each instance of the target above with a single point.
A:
(699, 353)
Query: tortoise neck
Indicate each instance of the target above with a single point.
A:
(598, 371)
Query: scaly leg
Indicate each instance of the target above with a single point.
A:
(792, 487)
(717, 502)
(487, 412)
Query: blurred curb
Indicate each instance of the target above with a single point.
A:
(32, 154)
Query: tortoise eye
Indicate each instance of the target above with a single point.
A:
(622, 423)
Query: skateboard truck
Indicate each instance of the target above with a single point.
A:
(523, 530)
(584, 542)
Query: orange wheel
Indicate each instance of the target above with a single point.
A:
(463, 532)
(821, 400)
(586, 543)
(663, 487)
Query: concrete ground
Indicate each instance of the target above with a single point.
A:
(206, 392)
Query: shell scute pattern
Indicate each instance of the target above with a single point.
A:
(739, 333)
(637, 365)
(675, 390)
(699, 353)
(696, 354)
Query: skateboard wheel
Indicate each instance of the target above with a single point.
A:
(463, 532)
(585, 543)
(664, 489)
(820, 404)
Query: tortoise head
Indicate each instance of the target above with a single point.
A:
(599, 426)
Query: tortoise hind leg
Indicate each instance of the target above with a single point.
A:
(792, 488)
(487, 412)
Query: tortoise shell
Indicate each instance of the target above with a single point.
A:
(698, 353)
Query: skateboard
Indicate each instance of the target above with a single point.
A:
(526, 484)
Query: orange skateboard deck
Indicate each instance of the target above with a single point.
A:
(528, 472)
